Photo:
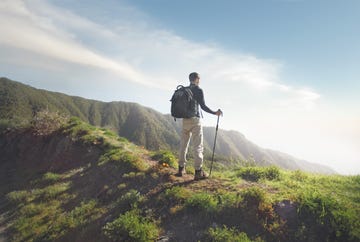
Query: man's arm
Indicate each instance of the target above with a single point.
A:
(202, 103)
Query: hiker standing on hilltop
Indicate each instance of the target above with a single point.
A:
(192, 127)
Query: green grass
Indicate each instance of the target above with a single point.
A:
(257, 173)
(47, 193)
(132, 199)
(328, 205)
(53, 177)
(202, 202)
(131, 226)
(40, 215)
(165, 157)
(226, 234)
(48, 221)
(177, 194)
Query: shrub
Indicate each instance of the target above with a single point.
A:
(165, 157)
(253, 196)
(322, 218)
(14, 123)
(133, 160)
(45, 122)
(130, 199)
(77, 128)
(203, 202)
(5, 123)
(109, 133)
(299, 175)
(131, 226)
(225, 234)
(250, 173)
(228, 199)
(272, 173)
(257, 173)
(177, 193)
(121, 158)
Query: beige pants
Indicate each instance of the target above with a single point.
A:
(192, 128)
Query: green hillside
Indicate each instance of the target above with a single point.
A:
(143, 126)
(65, 180)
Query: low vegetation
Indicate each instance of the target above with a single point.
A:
(224, 234)
(132, 226)
(165, 158)
(125, 193)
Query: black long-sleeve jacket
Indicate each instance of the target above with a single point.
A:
(199, 97)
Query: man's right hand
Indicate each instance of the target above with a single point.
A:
(219, 112)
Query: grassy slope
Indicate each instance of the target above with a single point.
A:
(118, 192)
(144, 126)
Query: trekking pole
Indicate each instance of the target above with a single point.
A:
(212, 158)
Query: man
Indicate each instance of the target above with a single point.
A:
(192, 128)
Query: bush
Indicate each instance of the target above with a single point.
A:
(5, 124)
(131, 226)
(203, 202)
(253, 196)
(122, 157)
(299, 175)
(46, 122)
(130, 199)
(228, 200)
(14, 123)
(257, 173)
(322, 218)
(250, 173)
(272, 173)
(225, 234)
(165, 157)
(177, 194)
(77, 128)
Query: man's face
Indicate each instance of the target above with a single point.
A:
(197, 81)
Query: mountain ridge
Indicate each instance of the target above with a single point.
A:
(142, 125)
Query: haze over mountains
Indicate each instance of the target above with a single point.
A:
(141, 125)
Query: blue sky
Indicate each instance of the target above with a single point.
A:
(283, 71)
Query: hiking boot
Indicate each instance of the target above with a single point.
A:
(181, 171)
(200, 175)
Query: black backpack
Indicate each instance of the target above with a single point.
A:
(183, 104)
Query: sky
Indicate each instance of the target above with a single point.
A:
(284, 72)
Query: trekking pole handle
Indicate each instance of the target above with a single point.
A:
(217, 124)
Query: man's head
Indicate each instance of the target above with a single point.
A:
(194, 78)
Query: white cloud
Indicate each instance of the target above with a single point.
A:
(140, 53)
(25, 30)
